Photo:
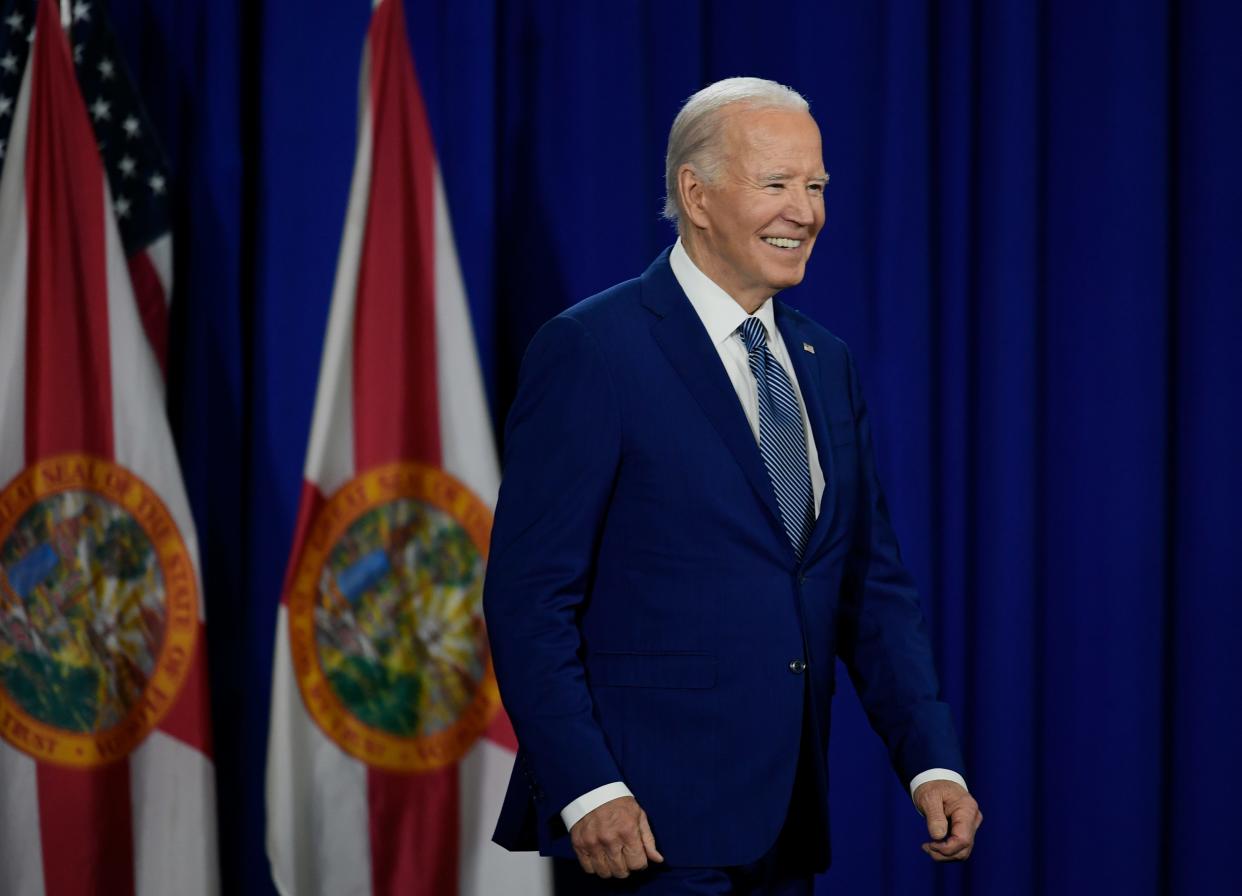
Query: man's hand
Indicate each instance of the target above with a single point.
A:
(952, 816)
(614, 839)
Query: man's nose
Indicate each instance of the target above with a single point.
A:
(800, 210)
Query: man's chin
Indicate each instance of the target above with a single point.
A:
(788, 279)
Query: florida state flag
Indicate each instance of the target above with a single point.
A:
(106, 778)
(389, 751)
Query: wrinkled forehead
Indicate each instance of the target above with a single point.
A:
(787, 136)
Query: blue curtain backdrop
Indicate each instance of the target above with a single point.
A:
(1034, 247)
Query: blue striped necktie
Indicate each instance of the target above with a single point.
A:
(782, 437)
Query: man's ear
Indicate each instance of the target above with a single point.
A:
(693, 194)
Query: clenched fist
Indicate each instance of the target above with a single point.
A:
(614, 839)
(952, 816)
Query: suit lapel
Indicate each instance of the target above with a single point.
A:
(807, 370)
(681, 336)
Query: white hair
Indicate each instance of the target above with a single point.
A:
(695, 137)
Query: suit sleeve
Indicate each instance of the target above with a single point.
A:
(562, 449)
(883, 638)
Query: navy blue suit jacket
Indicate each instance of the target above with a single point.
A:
(644, 604)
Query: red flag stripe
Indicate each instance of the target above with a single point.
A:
(152, 304)
(68, 388)
(86, 828)
(394, 392)
(414, 818)
(414, 822)
(189, 719)
(85, 816)
(308, 506)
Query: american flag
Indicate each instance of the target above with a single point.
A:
(138, 174)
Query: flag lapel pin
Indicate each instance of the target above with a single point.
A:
(807, 347)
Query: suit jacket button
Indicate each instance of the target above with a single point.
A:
(796, 666)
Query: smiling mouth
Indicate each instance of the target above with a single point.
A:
(781, 242)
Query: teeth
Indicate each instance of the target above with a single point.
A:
(781, 242)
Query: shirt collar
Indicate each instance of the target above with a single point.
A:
(720, 314)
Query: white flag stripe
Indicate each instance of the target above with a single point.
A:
(330, 456)
(160, 255)
(21, 843)
(318, 831)
(141, 439)
(173, 819)
(466, 444)
(13, 249)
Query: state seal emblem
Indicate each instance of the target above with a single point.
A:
(386, 620)
(98, 611)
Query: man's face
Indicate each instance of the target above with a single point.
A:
(760, 219)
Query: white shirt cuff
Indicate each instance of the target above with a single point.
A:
(936, 774)
(588, 802)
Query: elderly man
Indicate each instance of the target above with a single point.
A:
(690, 530)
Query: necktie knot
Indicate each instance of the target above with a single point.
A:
(754, 335)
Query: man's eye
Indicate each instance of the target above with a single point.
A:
(775, 186)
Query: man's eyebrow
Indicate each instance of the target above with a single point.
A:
(779, 175)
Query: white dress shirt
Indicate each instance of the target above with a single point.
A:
(721, 317)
